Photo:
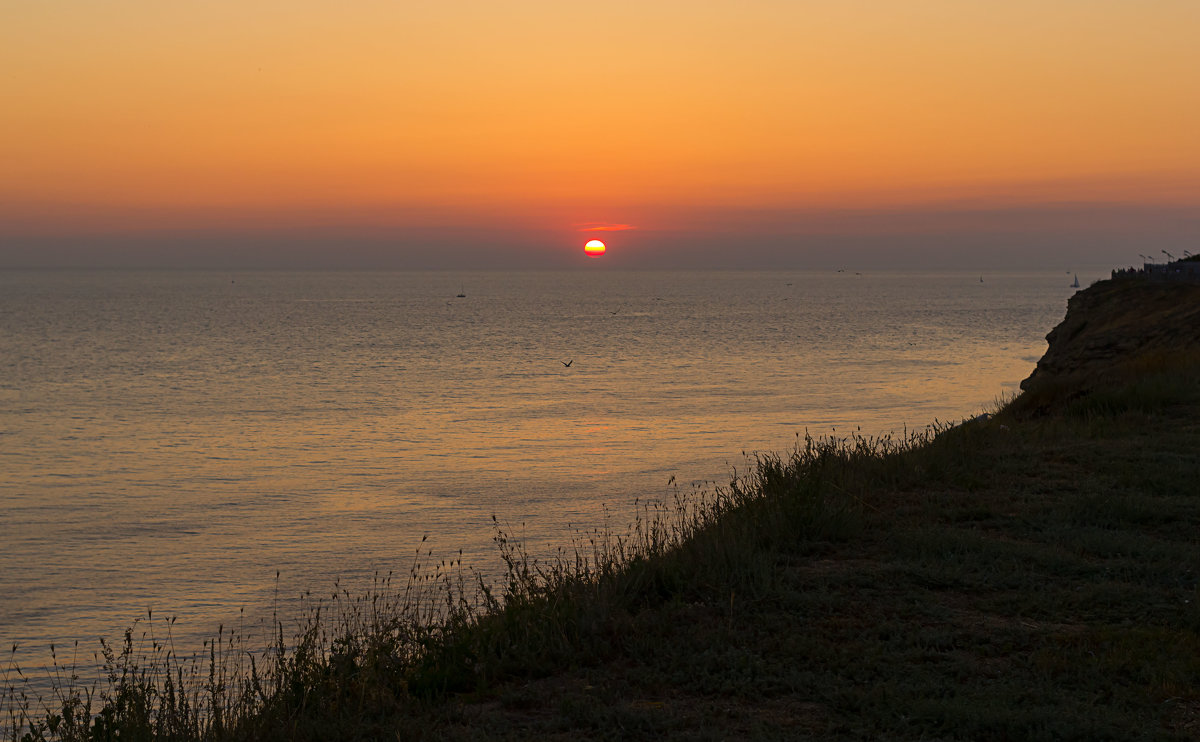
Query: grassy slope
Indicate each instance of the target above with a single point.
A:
(1013, 579)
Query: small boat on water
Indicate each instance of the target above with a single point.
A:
(1076, 284)
(461, 293)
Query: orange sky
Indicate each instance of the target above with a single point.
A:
(133, 115)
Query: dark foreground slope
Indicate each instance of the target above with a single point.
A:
(1029, 576)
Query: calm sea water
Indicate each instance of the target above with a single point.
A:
(172, 440)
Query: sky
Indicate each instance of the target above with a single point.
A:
(464, 134)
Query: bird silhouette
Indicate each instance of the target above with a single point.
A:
(567, 363)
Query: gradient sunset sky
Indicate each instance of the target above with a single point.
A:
(461, 134)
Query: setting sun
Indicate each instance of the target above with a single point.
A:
(594, 248)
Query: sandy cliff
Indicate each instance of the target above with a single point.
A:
(1114, 331)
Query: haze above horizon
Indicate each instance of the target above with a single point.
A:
(473, 134)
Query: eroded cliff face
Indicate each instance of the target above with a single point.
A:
(1113, 331)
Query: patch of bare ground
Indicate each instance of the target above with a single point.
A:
(1183, 716)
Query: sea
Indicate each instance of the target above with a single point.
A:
(195, 444)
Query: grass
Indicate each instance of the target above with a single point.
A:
(1028, 576)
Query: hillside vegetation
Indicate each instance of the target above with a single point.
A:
(1028, 575)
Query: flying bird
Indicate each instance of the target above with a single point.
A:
(567, 363)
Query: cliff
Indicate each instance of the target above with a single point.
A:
(1115, 332)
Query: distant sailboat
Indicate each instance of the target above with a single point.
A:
(1076, 284)
(462, 294)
